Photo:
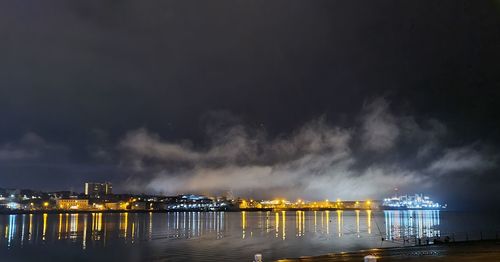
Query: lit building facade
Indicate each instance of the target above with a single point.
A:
(98, 190)
(72, 203)
(116, 205)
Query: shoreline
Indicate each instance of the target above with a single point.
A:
(57, 211)
(473, 250)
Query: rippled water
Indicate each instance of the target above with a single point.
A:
(231, 236)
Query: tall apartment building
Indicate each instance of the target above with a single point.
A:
(98, 190)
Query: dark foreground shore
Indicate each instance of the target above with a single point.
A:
(458, 251)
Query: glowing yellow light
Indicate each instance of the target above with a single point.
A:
(327, 222)
(132, 234)
(124, 224)
(30, 227)
(340, 222)
(244, 204)
(277, 222)
(60, 227)
(99, 221)
(45, 204)
(243, 223)
(357, 222)
(369, 218)
(66, 226)
(243, 219)
(298, 220)
(284, 224)
(315, 221)
(44, 225)
(84, 242)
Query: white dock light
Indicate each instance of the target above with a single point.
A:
(370, 258)
(258, 258)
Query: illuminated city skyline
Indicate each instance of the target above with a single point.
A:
(315, 111)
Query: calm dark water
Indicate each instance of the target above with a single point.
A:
(230, 236)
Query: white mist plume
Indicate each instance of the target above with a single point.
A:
(379, 128)
(316, 161)
(465, 158)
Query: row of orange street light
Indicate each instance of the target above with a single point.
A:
(301, 204)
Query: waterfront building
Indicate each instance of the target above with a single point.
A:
(98, 190)
(140, 205)
(116, 205)
(72, 203)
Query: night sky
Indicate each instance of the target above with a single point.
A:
(312, 99)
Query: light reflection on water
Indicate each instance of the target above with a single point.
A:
(218, 234)
(411, 223)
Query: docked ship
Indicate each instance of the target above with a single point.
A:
(408, 202)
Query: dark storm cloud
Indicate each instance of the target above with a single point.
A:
(31, 147)
(124, 64)
(123, 84)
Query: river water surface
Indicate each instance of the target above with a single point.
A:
(228, 236)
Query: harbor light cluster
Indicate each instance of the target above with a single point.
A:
(417, 201)
(300, 204)
(99, 197)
